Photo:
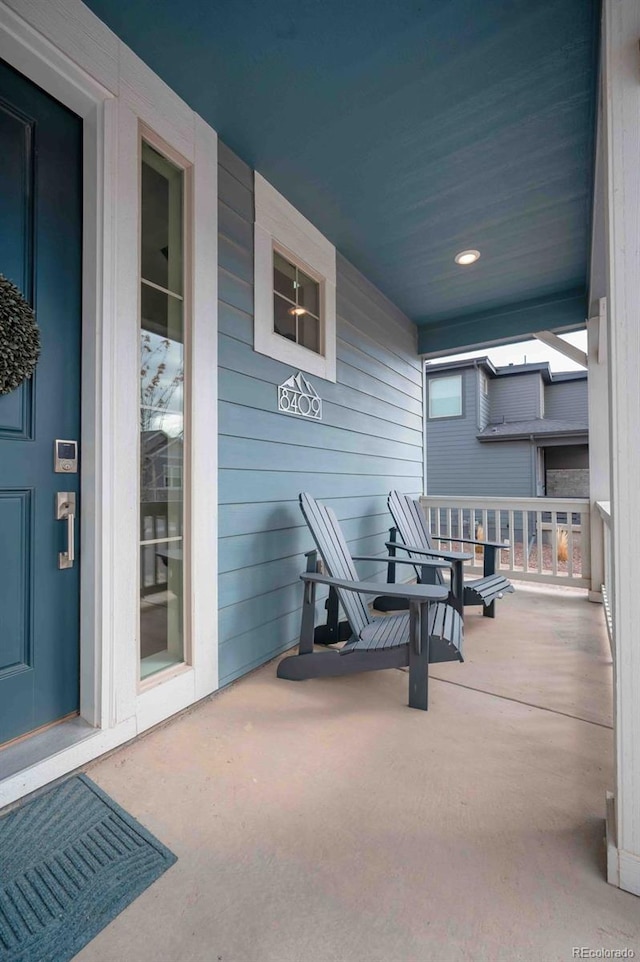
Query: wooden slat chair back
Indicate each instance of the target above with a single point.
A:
(327, 534)
(412, 526)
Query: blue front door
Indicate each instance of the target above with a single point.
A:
(41, 252)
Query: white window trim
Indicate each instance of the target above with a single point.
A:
(279, 225)
(147, 105)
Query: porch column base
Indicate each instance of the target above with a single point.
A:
(595, 596)
(623, 868)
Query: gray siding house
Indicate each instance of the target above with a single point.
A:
(516, 431)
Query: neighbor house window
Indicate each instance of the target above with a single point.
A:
(163, 378)
(173, 476)
(294, 287)
(445, 397)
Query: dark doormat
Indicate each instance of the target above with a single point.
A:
(70, 861)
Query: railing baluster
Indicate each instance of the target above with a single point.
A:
(554, 543)
(473, 534)
(539, 540)
(585, 545)
(525, 541)
(485, 525)
(512, 534)
(570, 545)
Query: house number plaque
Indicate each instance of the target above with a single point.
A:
(297, 396)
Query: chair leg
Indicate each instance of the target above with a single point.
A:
(489, 569)
(308, 619)
(419, 656)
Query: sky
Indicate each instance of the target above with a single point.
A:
(527, 351)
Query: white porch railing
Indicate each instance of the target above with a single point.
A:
(549, 538)
(604, 510)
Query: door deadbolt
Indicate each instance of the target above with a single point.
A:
(65, 457)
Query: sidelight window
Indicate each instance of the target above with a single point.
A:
(162, 412)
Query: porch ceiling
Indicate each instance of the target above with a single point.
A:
(406, 132)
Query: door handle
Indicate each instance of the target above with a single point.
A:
(66, 510)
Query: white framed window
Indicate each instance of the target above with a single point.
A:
(445, 397)
(166, 225)
(295, 286)
(297, 304)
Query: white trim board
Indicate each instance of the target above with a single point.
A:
(278, 223)
(65, 49)
(621, 100)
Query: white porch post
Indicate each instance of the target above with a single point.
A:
(599, 449)
(621, 71)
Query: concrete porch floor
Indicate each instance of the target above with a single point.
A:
(324, 821)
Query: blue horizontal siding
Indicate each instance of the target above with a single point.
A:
(270, 426)
(248, 392)
(350, 333)
(238, 519)
(234, 291)
(368, 364)
(235, 259)
(243, 551)
(235, 194)
(235, 355)
(366, 381)
(369, 441)
(237, 487)
(247, 454)
(235, 322)
(233, 227)
(253, 581)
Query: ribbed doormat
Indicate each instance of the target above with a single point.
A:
(70, 861)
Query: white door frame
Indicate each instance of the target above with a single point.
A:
(65, 49)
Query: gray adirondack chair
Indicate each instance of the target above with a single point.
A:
(411, 524)
(430, 632)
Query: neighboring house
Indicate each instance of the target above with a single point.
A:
(515, 431)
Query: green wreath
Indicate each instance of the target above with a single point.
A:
(19, 337)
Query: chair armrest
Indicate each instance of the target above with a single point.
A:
(449, 555)
(488, 544)
(410, 592)
(404, 561)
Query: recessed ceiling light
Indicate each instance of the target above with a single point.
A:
(467, 257)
